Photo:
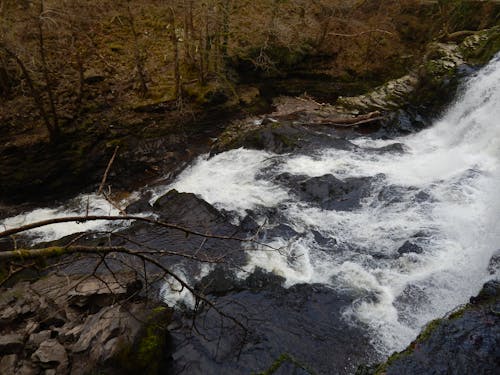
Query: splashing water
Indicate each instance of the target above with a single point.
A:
(447, 203)
(442, 196)
(82, 205)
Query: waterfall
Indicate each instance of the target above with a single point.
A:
(417, 244)
(440, 196)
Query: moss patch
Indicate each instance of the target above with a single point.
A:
(146, 355)
(281, 360)
(480, 48)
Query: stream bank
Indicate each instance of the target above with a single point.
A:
(302, 304)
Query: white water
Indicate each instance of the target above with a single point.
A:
(82, 205)
(456, 162)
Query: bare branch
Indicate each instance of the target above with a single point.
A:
(83, 219)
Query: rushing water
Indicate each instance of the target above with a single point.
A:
(439, 194)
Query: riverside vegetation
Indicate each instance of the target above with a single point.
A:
(155, 83)
(79, 78)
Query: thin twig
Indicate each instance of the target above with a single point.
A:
(105, 176)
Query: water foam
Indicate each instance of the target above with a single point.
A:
(230, 181)
(455, 164)
(85, 204)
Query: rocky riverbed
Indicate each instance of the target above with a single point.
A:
(298, 308)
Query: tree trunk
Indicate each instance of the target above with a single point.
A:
(175, 46)
(53, 128)
(139, 61)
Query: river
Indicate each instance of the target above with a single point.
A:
(404, 226)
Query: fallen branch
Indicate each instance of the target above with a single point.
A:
(352, 121)
(453, 37)
(57, 251)
(82, 219)
(105, 176)
(357, 123)
(361, 33)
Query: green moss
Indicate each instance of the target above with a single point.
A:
(424, 335)
(480, 48)
(146, 355)
(427, 332)
(114, 142)
(116, 47)
(282, 359)
(457, 314)
(288, 141)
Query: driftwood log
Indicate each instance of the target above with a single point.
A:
(352, 121)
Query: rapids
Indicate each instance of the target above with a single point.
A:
(409, 244)
(439, 197)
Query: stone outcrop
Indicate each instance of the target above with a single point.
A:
(62, 325)
(434, 79)
(465, 342)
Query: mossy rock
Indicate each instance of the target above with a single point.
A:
(211, 94)
(480, 48)
(465, 341)
(146, 355)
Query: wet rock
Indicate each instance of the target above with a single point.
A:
(329, 192)
(423, 196)
(409, 247)
(273, 137)
(218, 282)
(186, 208)
(11, 343)
(51, 354)
(494, 263)
(322, 240)
(391, 194)
(140, 206)
(300, 321)
(321, 188)
(260, 279)
(396, 148)
(465, 342)
(490, 291)
(280, 230)
(270, 135)
(248, 224)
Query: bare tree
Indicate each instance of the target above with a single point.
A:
(139, 55)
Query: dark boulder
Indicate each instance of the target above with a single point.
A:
(302, 321)
(409, 247)
(328, 191)
(494, 264)
(248, 224)
(140, 206)
(465, 342)
(186, 208)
